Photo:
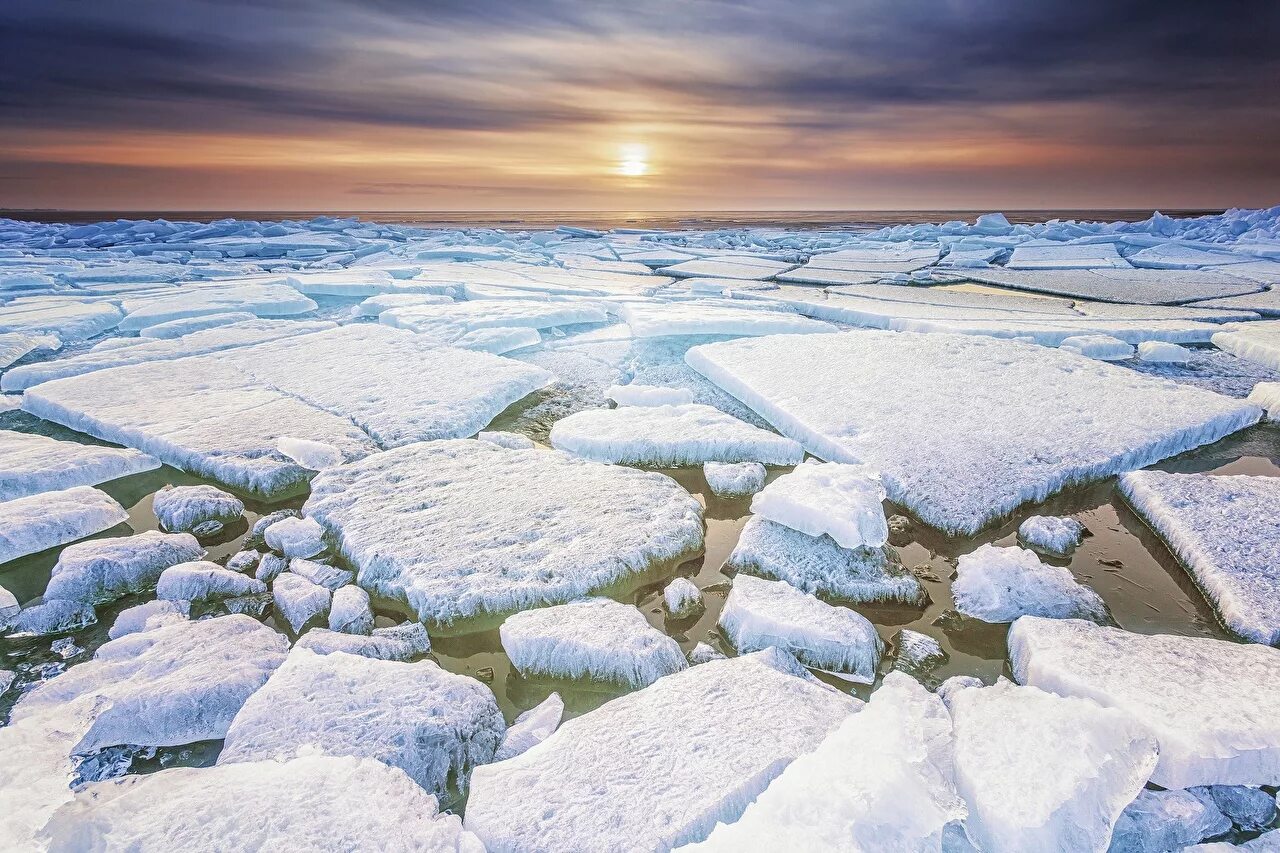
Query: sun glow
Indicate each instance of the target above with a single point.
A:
(634, 162)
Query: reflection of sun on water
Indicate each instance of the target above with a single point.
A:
(634, 161)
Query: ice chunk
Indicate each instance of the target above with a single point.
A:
(148, 616)
(445, 324)
(1051, 535)
(1000, 584)
(669, 436)
(1210, 703)
(269, 567)
(881, 781)
(350, 612)
(703, 653)
(184, 508)
(31, 464)
(531, 728)
(1258, 342)
(499, 340)
(103, 570)
(1226, 531)
(699, 730)
(509, 440)
(375, 305)
(1166, 820)
(1060, 256)
(47, 520)
(1163, 353)
(916, 653)
(1173, 256)
(648, 395)
(734, 479)
(682, 598)
(398, 642)
(57, 616)
(1101, 347)
(16, 345)
(832, 499)
(69, 319)
(314, 455)
(261, 300)
(299, 600)
(204, 581)
(329, 577)
(348, 282)
(1268, 842)
(597, 638)
(187, 325)
(1267, 395)
(9, 607)
(1250, 809)
(462, 528)
(295, 537)
(729, 266)
(760, 613)
(651, 320)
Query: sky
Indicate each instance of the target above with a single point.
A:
(663, 105)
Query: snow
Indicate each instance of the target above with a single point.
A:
(201, 580)
(652, 320)
(828, 498)
(1141, 286)
(597, 639)
(509, 440)
(50, 519)
(734, 479)
(648, 395)
(1163, 353)
(1157, 821)
(148, 616)
(350, 612)
(299, 600)
(456, 529)
(31, 464)
(1058, 256)
(531, 728)
(761, 613)
(1101, 347)
(1210, 703)
(703, 760)
(1000, 584)
(1226, 531)
(1258, 342)
(682, 598)
(398, 642)
(262, 300)
(184, 508)
(1051, 535)
(103, 570)
(312, 455)
(187, 325)
(295, 537)
(961, 460)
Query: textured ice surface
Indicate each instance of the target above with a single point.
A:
(56, 616)
(682, 598)
(433, 725)
(445, 324)
(651, 320)
(329, 577)
(669, 437)
(1051, 535)
(1163, 353)
(375, 305)
(648, 395)
(761, 613)
(964, 429)
(699, 731)
(397, 642)
(1060, 256)
(148, 616)
(69, 319)
(46, 520)
(1258, 342)
(262, 300)
(461, 528)
(881, 781)
(1101, 347)
(531, 728)
(1248, 808)
(314, 455)
(1210, 703)
(31, 464)
(729, 266)
(1000, 584)
(1157, 821)
(102, 570)
(350, 612)
(1267, 395)
(269, 567)
(1226, 531)
(295, 537)
(828, 498)
(1178, 256)
(1044, 772)
(734, 479)
(187, 325)
(1142, 286)
(703, 653)
(499, 340)
(15, 345)
(349, 282)
(299, 600)
(597, 638)
(916, 653)
(184, 508)
(204, 581)
(509, 440)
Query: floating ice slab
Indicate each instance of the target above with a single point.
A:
(729, 266)
(1141, 286)
(1066, 256)
(201, 580)
(1157, 821)
(31, 464)
(734, 479)
(1101, 347)
(1045, 772)
(669, 437)
(187, 325)
(1210, 703)
(761, 613)
(313, 455)
(299, 600)
(57, 616)
(375, 305)
(329, 577)
(972, 456)
(262, 300)
(531, 728)
(1051, 535)
(597, 638)
(184, 508)
(350, 282)
(499, 340)
(1000, 584)
(398, 642)
(47, 520)
(148, 617)
(881, 781)
(1266, 303)
(350, 612)
(917, 654)
(16, 345)
(1258, 342)
(509, 440)
(434, 725)
(69, 319)
(1174, 256)
(699, 730)
(462, 528)
(652, 320)
(832, 499)
(102, 570)
(295, 537)
(1226, 531)
(1163, 353)
(648, 395)
(682, 598)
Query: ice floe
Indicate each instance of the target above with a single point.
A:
(1140, 286)
(397, 642)
(1000, 584)
(651, 320)
(648, 395)
(31, 464)
(299, 600)
(734, 479)
(531, 728)
(16, 345)
(682, 598)
(350, 612)
(1159, 352)
(832, 499)
(1267, 395)
(1101, 347)
(204, 581)
(148, 616)
(261, 300)
(49, 519)
(103, 570)
(182, 509)
(295, 537)
(1048, 255)
(1051, 535)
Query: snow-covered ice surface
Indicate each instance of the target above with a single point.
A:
(1258, 342)
(1101, 347)
(1051, 535)
(648, 395)
(531, 728)
(184, 508)
(1267, 395)
(734, 479)
(1049, 255)
(1000, 584)
(49, 519)
(31, 464)
(828, 499)
(396, 642)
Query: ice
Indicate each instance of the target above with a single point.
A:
(1051, 535)
(1044, 772)
(582, 789)
(1166, 820)
(201, 580)
(269, 567)
(457, 529)
(187, 325)
(828, 498)
(596, 638)
(398, 642)
(350, 612)
(148, 616)
(434, 725)
(312, 455)
(295, 537)
(648, 395)
(729, 266)
(1226, 531)
(652, 320)
(1163, 353)
(299, 600)
(1173, 256)
(734, 479)
(1268, 842)
(184, 508)
(1101, 347)
(57, 616)
(761, 613)
(817, 565)
(375, 305)
(31, 464)
(499, 341)
(1000, 584)
(9, 608)
(669, 437)
(702, 653)
(68, 318)
(1210, 703)
(961, 460)
(352, 282)
(1141, 286)
(16, 345)
(917, 654)
(682, 598)
(1266, 303)
(261, 300)
(1258, 342)
(50, 519)
(36, 775)
(314, 802)
(509, 440)
(103, 570)
(447, 323)
(880, 781)
(329, 577)
(1250, 809)
(531, 728)
(1059, 256)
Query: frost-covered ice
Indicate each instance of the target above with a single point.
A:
(959, 461)
(761, 613)
(596, 638)
(201, 580)
(269, 567)
(650, 320)
(31, 464)
(1157, 821)
(16, 345)
(531, 728)
(699, 731)
(1101, 347)
(916, 653)
(69, 319)
(295, 537)
(103, 570)
(682, 598)
(1258, 342)
(56, 616)
(187, 325)
(1000, 584)
(1047, 255)
(261, 300)
(1267, 395)
(50, 519)
(828, 498)
(350, 612)
(397, 642)
(148, 616)
(446, 324)
(703, 653)
(729, 266)
(509, 440)
(434, 725)
(457, 529)
(1160, 352)
(734, 479)
(299, 600)
(669, 437)
(648, 395)
(330, 577)
(313, 455)
(1226, 531)
(184, 508)
(1210, 703)
(1045, 772)
(1052, 535)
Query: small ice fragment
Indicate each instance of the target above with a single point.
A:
(9, 607)
(243, 561)
(256, 538)
(1163, 353)
(350, 612)
(648, 395)
(184, 508)
(682, 598)
(269, 567)
(313, 455)
(531, 728)
(1051, 535)
(295, 537)
(956, 683)
(1157, 821)
(917, 654)
(145, 617)
(329, 577)
(204, 581)
(1101, 347)
(1000, 584)
(1267, 395)
(509, 440)
(58, 616)
(398, 642)
(841, 501)
(703, 653)
(734, 479)
(1250, 809)
(299, 600)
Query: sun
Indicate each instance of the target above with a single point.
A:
(634, 162)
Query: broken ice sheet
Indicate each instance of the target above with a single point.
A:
(36, 522)
(31, 464)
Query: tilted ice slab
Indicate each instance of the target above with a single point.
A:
(652, 320)
(596, 638)
(1066, 256)
(828, 499)
(1267, 395)
(1266, 303)
(434, 725)
(69, 319)
(262, 300)
(669, 437)
(462, 528)
(1002, 424)
(648, 395)
(1044, 772)
(1157, 287)
(582, 789)
(881, 781)
(37, 522)
(447, 323)
(315, 802)
(1000, 584)
(853, 266)
(397, 642)
(729, 266)
(188, 325)
(1210, 703)
(1226, 531)
(375, 305)
(531, 728)
(349, 282)
(103, 570)
(16, 345)
(1258, 342)
(31, 464)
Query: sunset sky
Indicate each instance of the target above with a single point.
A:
(552, 104)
